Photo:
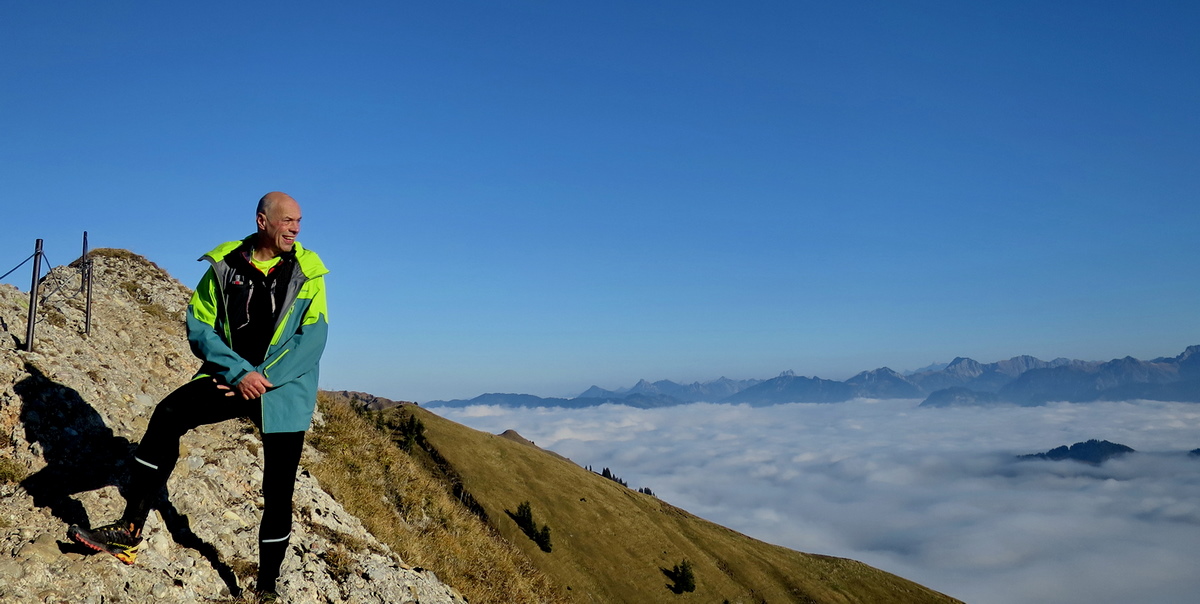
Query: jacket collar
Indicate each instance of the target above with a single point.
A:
(308, 261)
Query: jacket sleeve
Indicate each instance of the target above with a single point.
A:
(301, 351)
(206, 342)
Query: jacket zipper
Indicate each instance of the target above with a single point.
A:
(277, 359)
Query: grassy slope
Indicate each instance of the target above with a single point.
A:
(610, 543)
(403, 505)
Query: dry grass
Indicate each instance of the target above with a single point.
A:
(153, 309)
(158, 312)
(121, 254)
(246, 570)
(54, 317)
(131, 289)
(413, 513)
(117, 253)
(11, 471)
(614, 544)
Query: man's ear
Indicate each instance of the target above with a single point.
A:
(261, 220)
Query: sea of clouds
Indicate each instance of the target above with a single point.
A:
(933, 495)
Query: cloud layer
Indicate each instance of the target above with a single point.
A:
(933, 495)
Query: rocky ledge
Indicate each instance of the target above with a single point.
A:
(70, 413)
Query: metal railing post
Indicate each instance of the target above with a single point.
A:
(85, 285)
(33, 288)
(83, 263)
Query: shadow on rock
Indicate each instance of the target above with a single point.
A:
(82, 454)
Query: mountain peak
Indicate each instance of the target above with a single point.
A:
(1188, 353)
(596, 392)
(644, 387)
(963, 366)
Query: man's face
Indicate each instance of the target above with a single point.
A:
(281, 226)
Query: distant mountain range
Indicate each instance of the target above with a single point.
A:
(644, 395)
(1021, 380)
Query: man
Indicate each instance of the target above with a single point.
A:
(258, 321)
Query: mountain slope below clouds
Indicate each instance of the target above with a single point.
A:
(614, 544)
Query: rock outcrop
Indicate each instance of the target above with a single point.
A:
(71, 412)
(367, 400)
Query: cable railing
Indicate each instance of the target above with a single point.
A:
(36, 301)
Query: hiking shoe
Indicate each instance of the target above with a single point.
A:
(121, 539)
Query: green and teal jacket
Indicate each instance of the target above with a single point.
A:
(292, 359)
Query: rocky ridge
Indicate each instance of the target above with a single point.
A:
(70, 413)
(1094, 452)
(369, 401)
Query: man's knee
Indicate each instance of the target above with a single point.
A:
(196, 403)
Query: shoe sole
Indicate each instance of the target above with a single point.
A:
(125, 554)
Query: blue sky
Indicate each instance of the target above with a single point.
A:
(539, 196)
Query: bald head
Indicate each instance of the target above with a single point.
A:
(278, 219)
(270, 200)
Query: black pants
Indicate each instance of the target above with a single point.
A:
(201, 402)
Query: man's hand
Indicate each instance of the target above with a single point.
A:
(253, 385)
(221, 386)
